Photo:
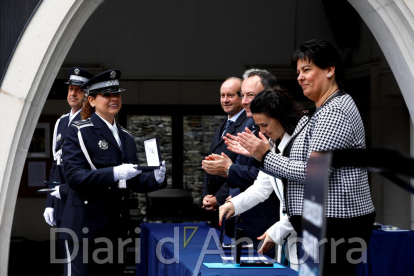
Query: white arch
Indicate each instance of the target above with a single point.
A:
(48, 38)
(392, 24)
(33, 67)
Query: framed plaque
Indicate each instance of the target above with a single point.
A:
(153, 155)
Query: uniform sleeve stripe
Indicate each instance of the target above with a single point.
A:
(83, 123)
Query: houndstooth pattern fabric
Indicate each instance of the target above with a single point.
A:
(336, 125)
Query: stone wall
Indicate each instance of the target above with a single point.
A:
(198, 132)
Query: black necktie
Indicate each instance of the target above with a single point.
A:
(226, 127)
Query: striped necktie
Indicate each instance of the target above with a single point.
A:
(226, 127)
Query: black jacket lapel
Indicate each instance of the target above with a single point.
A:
(217, 140)
(64, 121)
(232, 130)
(240, 120)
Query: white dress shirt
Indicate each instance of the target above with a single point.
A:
(112, 128)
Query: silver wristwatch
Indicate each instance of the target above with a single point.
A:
(228, 170)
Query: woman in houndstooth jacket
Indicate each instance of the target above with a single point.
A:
(336, 124)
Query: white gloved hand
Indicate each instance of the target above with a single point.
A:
(56, 193)
(125, 172)
(160, 174)
(48, 214)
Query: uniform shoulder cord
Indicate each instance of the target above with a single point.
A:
(85, 152)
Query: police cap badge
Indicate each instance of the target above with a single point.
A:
(78, 76)
(106, 82)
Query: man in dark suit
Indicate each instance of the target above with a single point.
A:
(213, 193)
(55, 206)
(242, 173)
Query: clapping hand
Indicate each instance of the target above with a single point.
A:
(257, 147)
(234, 145)
(216, 164)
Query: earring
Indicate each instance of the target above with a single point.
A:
(329, 75)
(93, 105)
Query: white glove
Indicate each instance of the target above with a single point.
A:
(160, 174)
(125, 172)
(48, 214)
(56, 193)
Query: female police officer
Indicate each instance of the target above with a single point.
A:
(98, 159)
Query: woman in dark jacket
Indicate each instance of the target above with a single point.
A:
(99, 157)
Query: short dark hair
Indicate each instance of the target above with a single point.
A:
(266, 79)
(323, 54)
(278, 104)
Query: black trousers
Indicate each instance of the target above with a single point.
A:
(60, 243)
(345, 239)
(92, 259)
(341, 257)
